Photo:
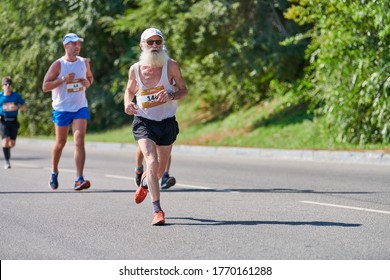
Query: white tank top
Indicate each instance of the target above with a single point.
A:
(148, 106)
(70, 97)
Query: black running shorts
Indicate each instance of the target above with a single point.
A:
(163, 133)
(9, 129)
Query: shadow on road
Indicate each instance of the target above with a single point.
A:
(192, 190)
(207, 222)
(67, 191)
(262, 190)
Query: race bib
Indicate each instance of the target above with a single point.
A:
(148, 98)
(9, 107)
(75, 86)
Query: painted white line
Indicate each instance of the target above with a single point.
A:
(67, 170)
(118, 177)
(184, 186)
(32, 166)
(348, 207)
(62, 170)
(181, 185)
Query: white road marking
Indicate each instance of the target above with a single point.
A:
(62, 170)
(184, 186)
(33, 166)
(347, 207)
(118, 177)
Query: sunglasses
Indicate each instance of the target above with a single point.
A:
(151, 42)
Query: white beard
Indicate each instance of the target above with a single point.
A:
(155, 59)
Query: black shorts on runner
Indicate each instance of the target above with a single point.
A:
(163, 133)
(9, 129)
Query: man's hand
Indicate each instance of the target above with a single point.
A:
(131, 109)
(163, 96)
(86, 83)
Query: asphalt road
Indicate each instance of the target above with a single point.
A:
(223, 207)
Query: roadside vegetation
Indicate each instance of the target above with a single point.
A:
(261, 73)
(269, 125)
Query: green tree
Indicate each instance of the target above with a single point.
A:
(229, 50)
(349, 65)
(32, 40)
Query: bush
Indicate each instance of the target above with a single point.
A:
(349, 66)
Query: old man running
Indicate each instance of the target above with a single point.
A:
(157, 83)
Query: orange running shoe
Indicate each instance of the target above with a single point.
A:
(158, 219)
(141, 192)
(81, 184)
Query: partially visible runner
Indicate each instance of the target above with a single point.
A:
(157, 83)
(68, 78)
(167, 181)
(10, 104)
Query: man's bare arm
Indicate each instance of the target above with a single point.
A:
(131, 88)
(180, 84)
(50, 81)
(88, 74)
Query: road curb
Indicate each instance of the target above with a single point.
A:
(364, 157)
(374, 157)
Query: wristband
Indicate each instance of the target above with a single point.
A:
(172, 95)
(63, 78)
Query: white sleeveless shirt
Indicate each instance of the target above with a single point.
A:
(70, 97)
(148, 106)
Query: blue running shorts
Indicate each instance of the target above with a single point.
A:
(62, 118)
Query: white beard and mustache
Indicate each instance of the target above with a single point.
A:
(155, 59)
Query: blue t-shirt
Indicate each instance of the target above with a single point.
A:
(5, 101)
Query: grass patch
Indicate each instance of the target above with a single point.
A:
(269, 125)
(119, 135)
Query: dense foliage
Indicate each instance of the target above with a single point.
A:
(349, 65)
(32, 40)
(229, 50)
(234, 54)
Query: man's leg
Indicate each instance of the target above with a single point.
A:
(166, 180)
(149, 150)
(156, 158)
(59, 144)
(139, 168)
(139, 157)
(60, 141)
(164, 153)
(7, 152)
(12, 143)
(168, 165)
(79, 129)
